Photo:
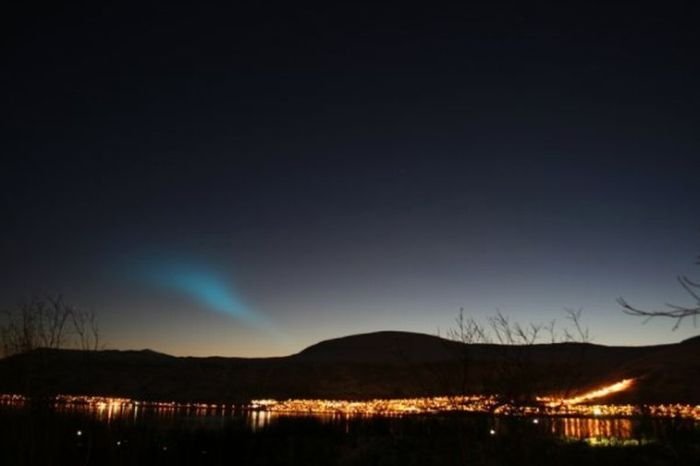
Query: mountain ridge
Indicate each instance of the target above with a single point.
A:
(381, 364)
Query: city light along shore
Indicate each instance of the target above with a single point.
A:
(584, 404)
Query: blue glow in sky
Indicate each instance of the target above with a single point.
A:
(205, 286)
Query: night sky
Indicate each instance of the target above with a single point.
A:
(249, 181)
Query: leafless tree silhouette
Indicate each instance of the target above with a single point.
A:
(47, 322)
(515, 378)
(87, 331)
(673, 311)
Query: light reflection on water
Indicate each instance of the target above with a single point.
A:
(216, 416)
(575, 428)
(569, 428)
(258, 420)
(586, 428)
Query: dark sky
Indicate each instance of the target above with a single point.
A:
(252, 179)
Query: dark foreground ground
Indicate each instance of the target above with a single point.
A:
(42, 437)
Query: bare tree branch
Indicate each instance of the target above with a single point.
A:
(86, 329)
(679, 313)
(673, 311)
(47, 322)
(512, 376)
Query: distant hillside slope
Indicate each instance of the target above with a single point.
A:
(381, 347)
(381, 364)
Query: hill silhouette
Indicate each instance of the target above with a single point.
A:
(381, 347)
(381, 364)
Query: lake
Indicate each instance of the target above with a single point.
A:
(163, 434)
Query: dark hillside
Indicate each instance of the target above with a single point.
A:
(381, 364)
